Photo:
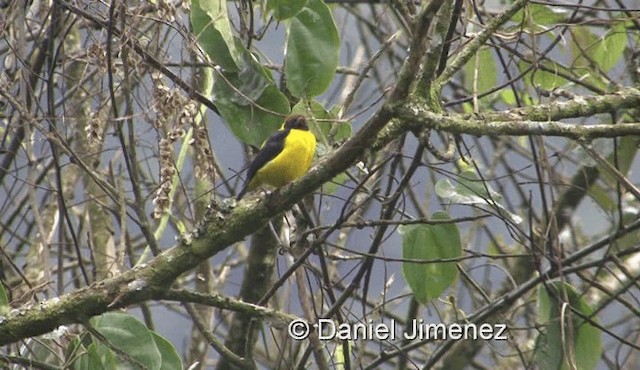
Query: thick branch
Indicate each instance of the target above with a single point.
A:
(580, 106)
(533, 120)
(478, 127)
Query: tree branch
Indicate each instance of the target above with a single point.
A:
(533, 120)
(472, 47)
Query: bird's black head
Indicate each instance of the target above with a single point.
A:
(296, 121)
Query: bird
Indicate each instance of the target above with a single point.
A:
(284, 157)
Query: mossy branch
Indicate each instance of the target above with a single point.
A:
(473, 46)
(533, 120)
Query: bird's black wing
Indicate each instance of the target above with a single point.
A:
(270, 149)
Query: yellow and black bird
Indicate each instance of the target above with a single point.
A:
(284, 157)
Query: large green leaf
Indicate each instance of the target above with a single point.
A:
(170, 358)
(252, 123)
(248, 99)
(129, 335)
(581, 339)
(95, 357)
(87, 355)
(627, 150)
(284, 9)
(210, 23)
(123, 332)
(487, 75)
(536, 17)
(428, 243)
(548, 79)
(312, 51)
(583, 40)
(608, 50)
(582, 49)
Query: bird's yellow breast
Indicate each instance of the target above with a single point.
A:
(291, 163)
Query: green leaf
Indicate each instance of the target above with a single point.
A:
(122, 331)
(253, 123)
(284, 9)
(170, 358)
(595, 54)
(75, 349)
(330, 187)
(536, 16)
(583, 40)
(312, 50)
(129, 335)
(487, 73)
(548, 80)
(544, 79)
(250, 80)
(210, 23)
(95, 357)
(508, 97)
(338, 357)
(76, 353)
(608, 50)
(248, 99)
(427, 243)
(205, 83)
(627, 150)
(551, 346)
(627, 147)
(602, 197)
(107, 358)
